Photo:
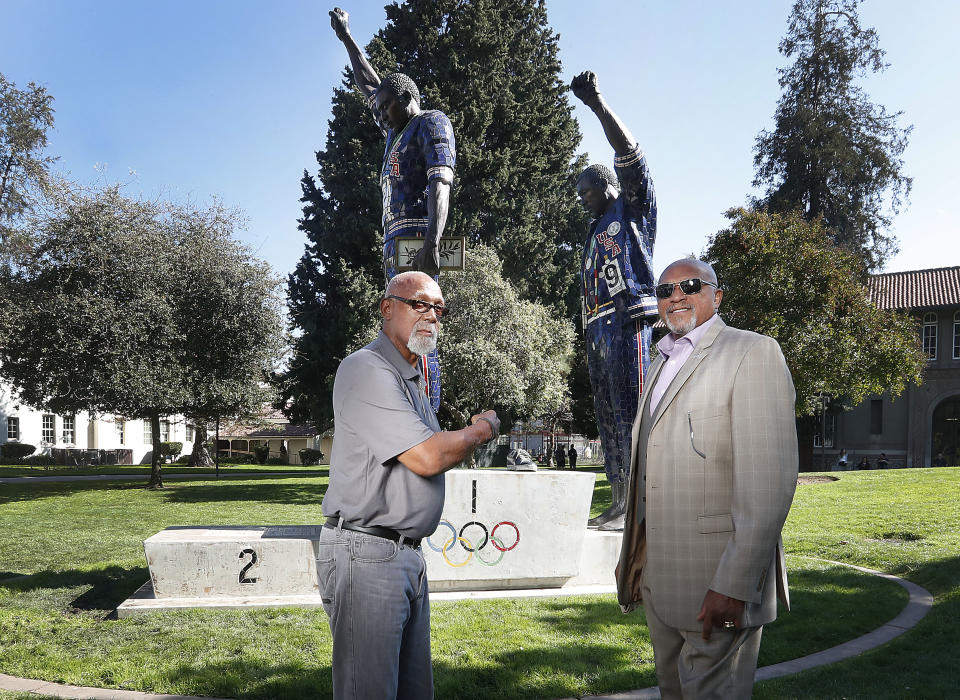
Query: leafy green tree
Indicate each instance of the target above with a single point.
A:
(139, 309)
(493, 68)
(499, 351)
(783, 276)
(25, 117)
(832, 152)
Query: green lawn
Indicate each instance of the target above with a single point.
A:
(80, 546)
(168, 470)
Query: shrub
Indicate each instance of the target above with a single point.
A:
(262, 453)
(276, 460)
(237, 459)
(310, 457)
(183, 459)
(15, 450)
(170, 449)
(39, 461)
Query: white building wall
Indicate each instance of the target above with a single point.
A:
(100, 433)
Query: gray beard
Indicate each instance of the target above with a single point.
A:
(420, 345)
(681, 329)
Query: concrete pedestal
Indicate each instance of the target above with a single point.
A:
(499, 530)
(504, 529)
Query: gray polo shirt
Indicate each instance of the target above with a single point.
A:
(379, 412)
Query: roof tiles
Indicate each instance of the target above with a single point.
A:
(916, 289)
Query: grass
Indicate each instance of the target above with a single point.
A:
(168, 471)
(79, 544)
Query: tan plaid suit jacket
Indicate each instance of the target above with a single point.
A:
(718, 474)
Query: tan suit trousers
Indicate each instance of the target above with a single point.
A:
(690, 668)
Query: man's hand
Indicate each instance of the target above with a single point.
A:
(584, 86)
(718, 609)
(428, 259)
(490, 416)
(340, 21)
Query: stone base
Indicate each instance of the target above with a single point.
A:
(598, 560)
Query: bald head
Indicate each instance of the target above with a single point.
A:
(407, 283)
(704, 270)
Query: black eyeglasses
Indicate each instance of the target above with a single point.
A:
(421, 307)
(690, 286)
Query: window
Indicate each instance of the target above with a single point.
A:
(956, 336)
(164, 431)
(876, 417)
(118, 429)
(13, 428)
(189, 431)
(831, 430)
(48, 432)
(69, 434)
(147, 432)
(930, 335)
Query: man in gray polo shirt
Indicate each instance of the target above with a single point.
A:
(386, 493)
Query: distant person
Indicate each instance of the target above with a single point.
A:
(559, 455)
(882, 461)
(572, 457)
(864, 463)
(940, 461)
(842, 461)
(386, 494)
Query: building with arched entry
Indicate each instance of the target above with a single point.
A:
(921, 427)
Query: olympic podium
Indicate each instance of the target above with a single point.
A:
(503, 529)
(499, 530)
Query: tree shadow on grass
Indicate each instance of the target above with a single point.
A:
(12, 493)
(38, 490)
(306, 494)
(546, 672)
(108, 587)
(529, 673)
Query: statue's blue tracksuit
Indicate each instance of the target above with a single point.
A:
(619, 307)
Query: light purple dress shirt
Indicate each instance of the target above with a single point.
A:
(676, 351)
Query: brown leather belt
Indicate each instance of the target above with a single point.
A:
(384, 532)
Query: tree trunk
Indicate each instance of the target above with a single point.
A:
(200, 457)
(156, 482)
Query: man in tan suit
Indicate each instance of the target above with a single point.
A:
(714, 470)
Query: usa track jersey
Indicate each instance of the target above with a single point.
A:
(619, 308)
(422, 151)
(617, 272)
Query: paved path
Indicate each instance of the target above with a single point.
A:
(144, 476)
(918, 605)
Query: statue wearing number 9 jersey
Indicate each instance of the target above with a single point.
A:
(618, 304)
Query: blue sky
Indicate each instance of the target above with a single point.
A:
(232, 99)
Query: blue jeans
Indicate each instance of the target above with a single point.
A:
(375, 593)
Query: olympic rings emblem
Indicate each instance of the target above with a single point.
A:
(488, 537)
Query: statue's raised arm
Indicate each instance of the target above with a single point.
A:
(364, 75)
(584, 86)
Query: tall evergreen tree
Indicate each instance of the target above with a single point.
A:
(833, 153)
(493, 68)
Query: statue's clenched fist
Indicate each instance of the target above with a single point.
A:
(340, 21)
(584, 86)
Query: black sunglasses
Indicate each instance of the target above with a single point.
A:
(690, 286)
(421, 307)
